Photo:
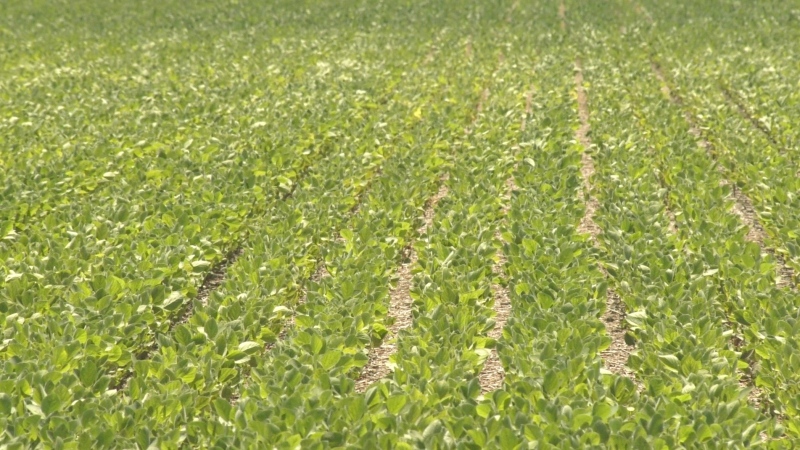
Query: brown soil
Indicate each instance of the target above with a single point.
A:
(744, 112)
(562, 14)
(616, 356)
(478, 110)
(510, 15)
(643, 12)
(492, 374)
(400, 303)
(212, 281)
(430, 56)
(320, 273)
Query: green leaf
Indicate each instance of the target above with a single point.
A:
(211, 328)
(396, 402)
(223, 408)
(483, 410)
(508, 439)
(182, 335)
(88, 373)
(330, 359)
(173, 302)
(5, 404)
(250, 347)
(50, 404)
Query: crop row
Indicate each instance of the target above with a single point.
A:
(762, 316)
(54, 390)
(745, 98)
(683, 357)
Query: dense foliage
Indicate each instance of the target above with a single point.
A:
(175, 176)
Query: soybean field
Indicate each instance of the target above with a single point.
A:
(410, 224)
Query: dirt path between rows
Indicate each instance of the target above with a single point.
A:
(745, 112)
(492, 374)
(616, 355)
(400, 302)
(211, 282)
(742, 206)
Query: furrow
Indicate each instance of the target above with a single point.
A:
(478, 111)
(528, 101)
(400, 302)
(744, 210)
(492, 374)
(740, 106)
(616, 355)
(212, 281)
(741, 207)
(321, 270)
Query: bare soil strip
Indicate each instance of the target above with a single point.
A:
(211, 282)
(510, 15)
(644, 13)
(616, 355)
(321, 270)
(400, 302)
(492, 374)
(430, 56)
(478, 110)
(562, 14)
